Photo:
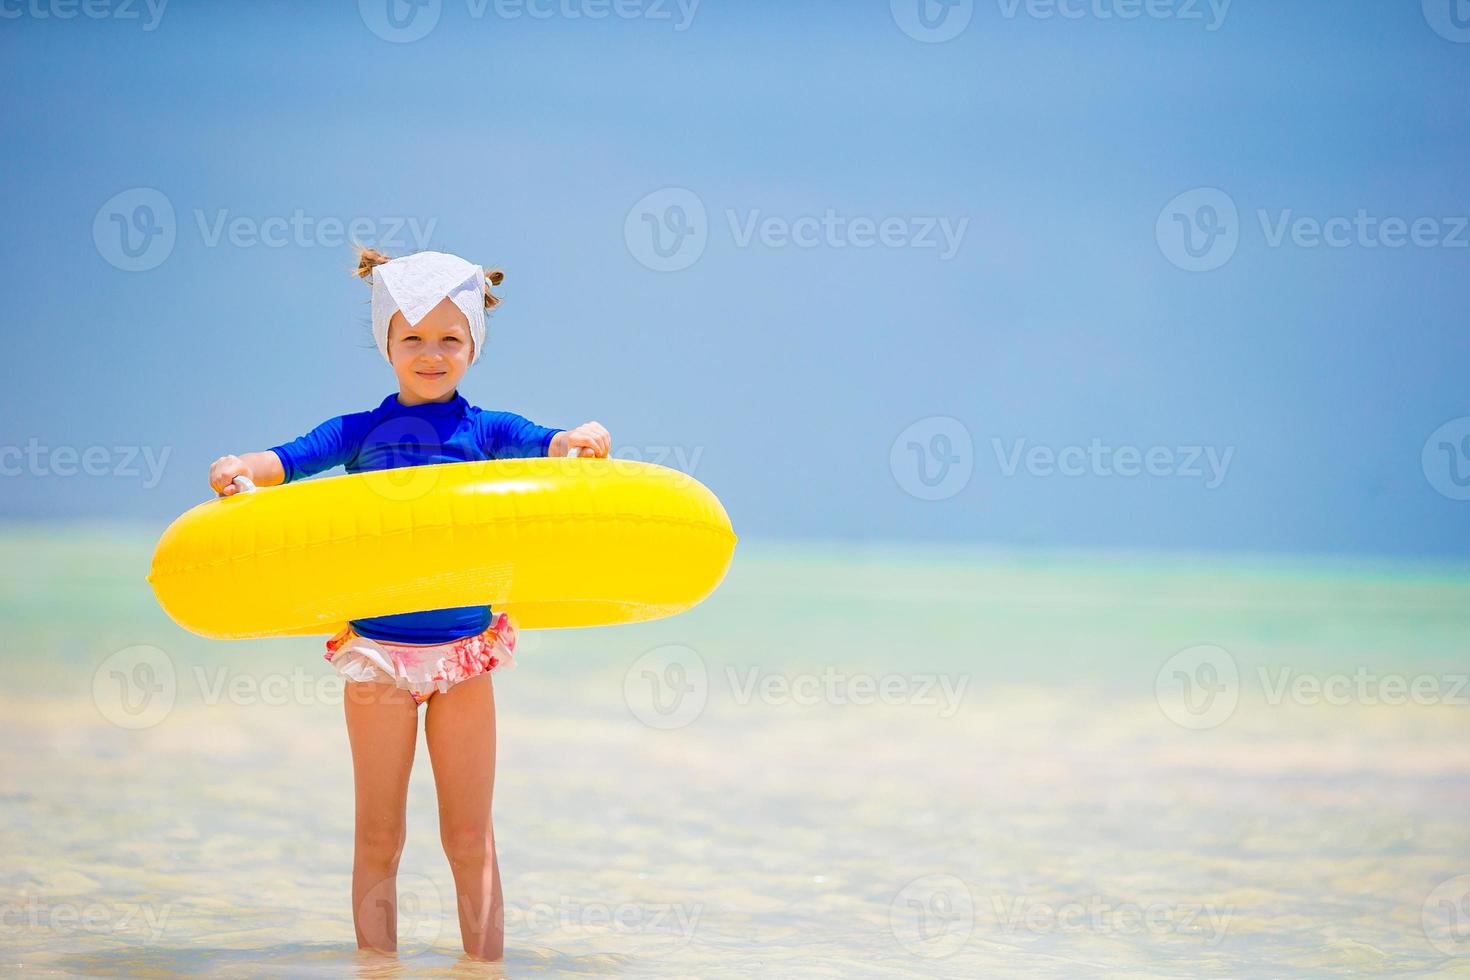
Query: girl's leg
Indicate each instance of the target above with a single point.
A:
(460, 731)
(382, 725)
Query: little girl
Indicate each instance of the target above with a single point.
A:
(428, 312)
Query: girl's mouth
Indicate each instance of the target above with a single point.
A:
(431, 375)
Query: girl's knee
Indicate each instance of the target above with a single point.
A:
(467, 844)
(381, 845)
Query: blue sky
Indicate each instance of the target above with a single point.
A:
(805, 381)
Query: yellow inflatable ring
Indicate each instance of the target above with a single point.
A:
(553, 542)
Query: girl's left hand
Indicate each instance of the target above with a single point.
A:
(591, 438)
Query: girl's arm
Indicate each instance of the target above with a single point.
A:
(262, 469)
(333, 443)
(506, 435)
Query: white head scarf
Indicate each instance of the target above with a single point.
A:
(415, 284)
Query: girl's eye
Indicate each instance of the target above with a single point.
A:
(412, 336)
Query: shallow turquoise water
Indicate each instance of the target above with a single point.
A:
(850, 760)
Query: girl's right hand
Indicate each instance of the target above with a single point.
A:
(222, 473)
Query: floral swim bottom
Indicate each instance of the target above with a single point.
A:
(423, 669)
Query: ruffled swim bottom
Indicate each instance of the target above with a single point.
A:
(423, 669)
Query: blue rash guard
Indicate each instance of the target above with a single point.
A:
(394, 434)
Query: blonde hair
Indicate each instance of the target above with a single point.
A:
(369, 259)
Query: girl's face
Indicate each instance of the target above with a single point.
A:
(431, 356)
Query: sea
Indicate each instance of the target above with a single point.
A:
(854, 759)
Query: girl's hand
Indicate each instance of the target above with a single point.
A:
(222, 473)
(591, 438)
